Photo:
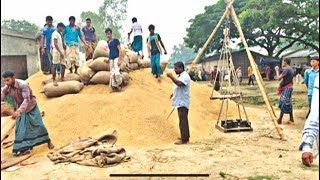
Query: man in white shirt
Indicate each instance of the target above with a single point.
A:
(58, 54)
(137, 39)
(181, 100)
(310, 133)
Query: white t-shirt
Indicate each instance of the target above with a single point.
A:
(137, 29)
(181, 95)
(56, 35)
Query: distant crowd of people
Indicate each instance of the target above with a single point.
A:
(219, 75)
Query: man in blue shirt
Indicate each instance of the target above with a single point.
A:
(115, 59)
(181, 100)
(310, 132)
(309, 77)
(46, 35)
(72, 33)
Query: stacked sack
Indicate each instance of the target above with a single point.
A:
(97, 71)
(70, 85)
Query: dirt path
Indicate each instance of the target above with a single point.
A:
(237, 155)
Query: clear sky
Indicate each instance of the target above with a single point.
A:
(169, 16)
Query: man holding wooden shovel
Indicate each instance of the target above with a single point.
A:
(181, 100)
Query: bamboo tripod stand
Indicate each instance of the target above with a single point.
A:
(230, 90)
(230, 10)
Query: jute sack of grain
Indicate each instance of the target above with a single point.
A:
(163, 64)
(87, 63)
(99, 64)
(144, 63)
(68, 77)
(126, 59)
(124, 67)
(125, 78)
(101, 50)
(123, 51)
(133, 66)
(101, 77)
(132, 56)
(7, 124)
(86, 74)
(63, 88)
(6, 109)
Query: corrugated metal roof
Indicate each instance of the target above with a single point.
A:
(302, 53)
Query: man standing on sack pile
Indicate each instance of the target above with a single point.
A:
(71, 35)
(115, 61)
(30, 130)
(58, 53)
(181, 100)
(89, 33)
(137, 39)
(46, 35)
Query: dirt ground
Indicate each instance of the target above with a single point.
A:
(259, 154)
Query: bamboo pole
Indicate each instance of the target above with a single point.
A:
(39, 59)
(210, 37)
(257, 74)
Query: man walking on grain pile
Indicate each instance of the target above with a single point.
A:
(30, 130)
(137, 39)
(154, 51)
(181, 100)
(115, 59)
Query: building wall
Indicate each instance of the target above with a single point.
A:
(239, 58)
(15, 43)
(296, 61)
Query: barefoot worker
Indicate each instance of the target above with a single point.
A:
(30, 130)
(181, 100)
(154, 51)
(58, 54)
(115, 61)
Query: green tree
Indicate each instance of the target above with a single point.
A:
(202, 25)
(110, 14)
(20, 25)
(274, 25)
(182, 53)
(277, 25)
(96, 22)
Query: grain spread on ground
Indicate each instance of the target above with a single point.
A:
(138, 114)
